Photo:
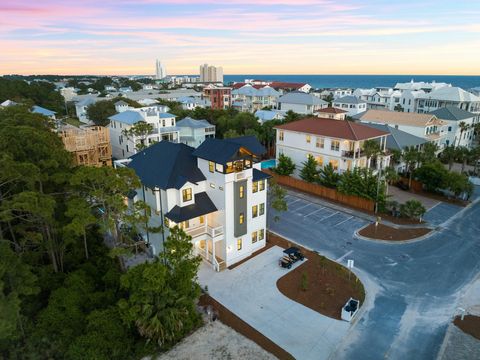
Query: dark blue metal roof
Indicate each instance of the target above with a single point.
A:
(223, 150)
(166, 165)
(202, 206)
(260, 175)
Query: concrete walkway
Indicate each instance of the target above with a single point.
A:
(250, 291)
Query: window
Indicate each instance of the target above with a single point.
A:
(280, 135)
(185, 224)
(262, 208)
(239, 244)
(320, 143)
(241, 191)
(211, 166)
(261, 185)
(254, 237)
(219, 168)
(202, 219)
(308, 139)
(261, 234)
(254, 211)
(449, 128)
(319, 160)
(255, 186)
(334, 164)
(127, 148)
(335, 146)
(187, 194)
(241, 218)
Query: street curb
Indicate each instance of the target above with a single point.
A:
(395, 242)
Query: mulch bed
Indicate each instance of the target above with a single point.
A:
(329, 285)
(470, 325)
(400, 220)
(384, 232)
(232, 320)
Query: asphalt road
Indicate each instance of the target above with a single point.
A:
(412, 289)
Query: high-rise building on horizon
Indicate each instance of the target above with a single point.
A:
(161, 72)
(211, 73)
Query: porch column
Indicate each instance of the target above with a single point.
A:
(213, 254)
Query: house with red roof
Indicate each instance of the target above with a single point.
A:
(331, 112)
(339, 143)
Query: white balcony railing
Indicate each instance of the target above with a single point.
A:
(213, 232)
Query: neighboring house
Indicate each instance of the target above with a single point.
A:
(331, 113)
(253, 98)
(220, 97)
(454, 116)
(399, 140)
(285, 87)
(351, 104)
(163, 128)
(8, 103)
(339, 143)
(110, 88)
(147, 102)
(40, 110)
(125, 89)
(194, 132)
(426, 126)
(301, 103)
(147, 87)
(68, 93)
(448, 96)
(267, 115)
(89, 145)
(82, 105)
(191, 103)
(216, 193)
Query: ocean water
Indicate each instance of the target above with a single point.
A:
(360, 81)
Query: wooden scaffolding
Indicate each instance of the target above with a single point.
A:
(89, 145)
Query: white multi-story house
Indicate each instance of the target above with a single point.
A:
(82, 105)
(339, 143)
(191, 103)
(216, 193)
(253, 98)
(301, 102)
(163, 128)
(448, 96)
(426, 126)
(351, 104)
(194, 132)
(454, 117)
(331, 113)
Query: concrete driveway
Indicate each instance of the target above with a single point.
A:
(402, 197)
(250, 291)
(416, 286)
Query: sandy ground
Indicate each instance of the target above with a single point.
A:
(216, 341)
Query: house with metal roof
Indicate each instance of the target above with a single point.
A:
(449, 96)
(267, 115)
(351, 104)
(216, 193)
(301, 102)
(125, 143)
(460, 125)
(254, 98)
(45, 112)
(193, 132)
(332, 113)
(339, 143)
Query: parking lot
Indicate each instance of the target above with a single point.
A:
(311, 213)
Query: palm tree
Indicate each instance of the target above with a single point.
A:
(463, 127)
(463, 155)
(411, 156)
(371, 148)
(448, 155)
(390, 176)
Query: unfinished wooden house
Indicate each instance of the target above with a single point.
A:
(89, 145)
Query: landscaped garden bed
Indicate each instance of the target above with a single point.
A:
(384, 232)
(319, 283)
(237, 324)
(469, 325)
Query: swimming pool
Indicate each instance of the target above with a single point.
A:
(267, 164)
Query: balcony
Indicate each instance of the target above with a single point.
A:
(351, 154)
(212, 231)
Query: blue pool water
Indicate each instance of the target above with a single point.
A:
(267, 164)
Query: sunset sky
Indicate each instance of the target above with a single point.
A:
(245, 36)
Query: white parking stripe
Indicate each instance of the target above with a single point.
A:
(344, 255)
(341, 222)
(301, 207)
(326, 217)
(313, 212)
(293, 202)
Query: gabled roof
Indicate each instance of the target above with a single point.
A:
(128, 117)
(40, 110)
(452, 93)
(332, 110)
(349, 99)
(286, 85)
(8, 103)
(266, 115)
(452, 113)
(193, 123)
(120, 103)
(166, 165)
(203, 205)
(223, 150)
(399, 118)
(339, 129)
(398, 139)
(166, 115)
(249, 90)
(298, 97)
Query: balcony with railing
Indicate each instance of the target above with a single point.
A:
(353, 154)
(214, 232)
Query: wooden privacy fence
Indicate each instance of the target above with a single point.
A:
(322, 191)
(417, 186)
